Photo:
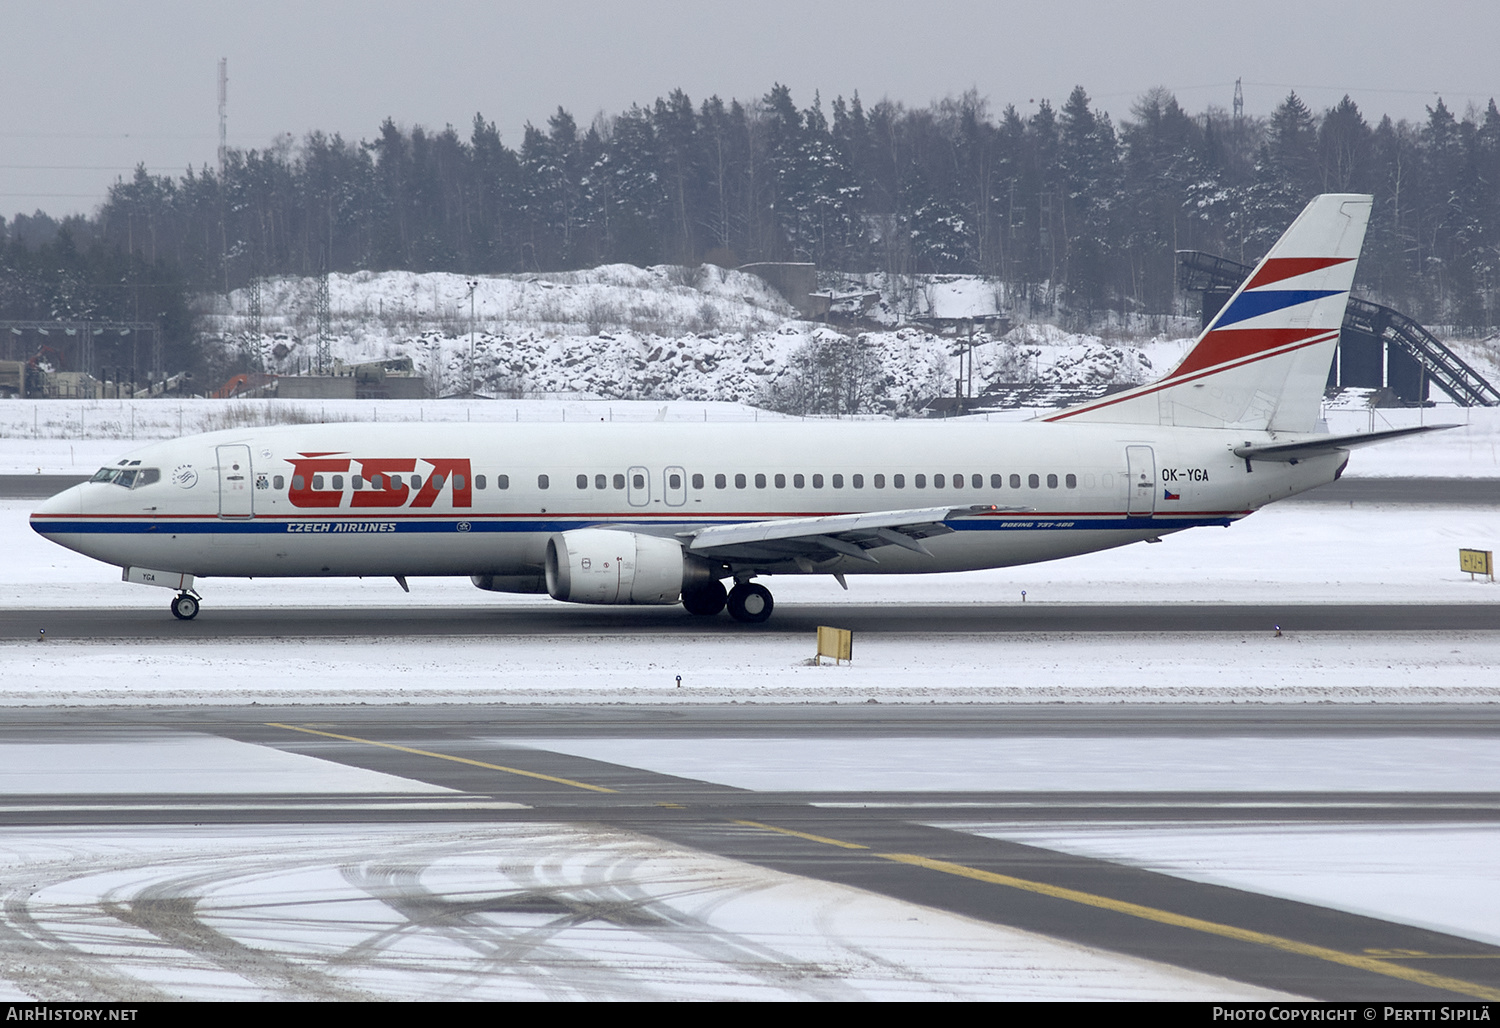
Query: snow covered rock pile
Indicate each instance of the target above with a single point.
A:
(673, 333)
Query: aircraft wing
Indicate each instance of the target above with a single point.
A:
(812, 539)
(1293, 452)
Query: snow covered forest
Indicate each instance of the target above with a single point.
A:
(1076, 216)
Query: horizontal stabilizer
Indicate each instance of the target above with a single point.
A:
(1291, 452)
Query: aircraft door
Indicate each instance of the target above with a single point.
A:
(638, 487)
(236, 497)
(675, 480)
(1141, 502)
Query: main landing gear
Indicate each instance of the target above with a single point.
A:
(184, 606)
(747, 602)
(750, 603)
(706, 601)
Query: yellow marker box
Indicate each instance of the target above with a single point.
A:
(837, 643)
(1475, 562)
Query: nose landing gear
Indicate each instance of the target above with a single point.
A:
(184, 606)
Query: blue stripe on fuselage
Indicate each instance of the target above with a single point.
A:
(368, 528)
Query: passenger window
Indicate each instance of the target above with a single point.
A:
(739, 481)
(1034, 481)
(858, 481)
(920, 481)
(838, 481)
(1051, 481)
(760, 481)
(279, 482)
(996, 481)
(338, 481)
(601, 481)
(817, 481)
(458, 482)
(899, 481)
(977, 481)
(357, 481)
(317, 479)
(958, 481)
(583, 481)
(780, 481)
(619, 481)
(798, 481)
(1071, 481)
(479, 482)
(697, 481)
(416, 481)
(502, 481)
(721, 482)
(938, 481)
(879, 481)
(1015, 481)
(674, 481)
(542, 482)
(299, 483)
(638, 481)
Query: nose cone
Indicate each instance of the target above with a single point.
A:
(52, 515)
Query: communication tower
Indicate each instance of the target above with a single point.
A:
(325, 323)
(255, 312)
(1239, 105)
(223, 114)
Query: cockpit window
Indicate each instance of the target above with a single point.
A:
(129, 477)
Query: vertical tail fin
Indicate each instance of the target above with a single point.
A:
(1262, 363)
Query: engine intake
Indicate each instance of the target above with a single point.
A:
(600, 565)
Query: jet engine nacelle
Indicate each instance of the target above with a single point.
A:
(600, 565)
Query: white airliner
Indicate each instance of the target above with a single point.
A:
(662, 513)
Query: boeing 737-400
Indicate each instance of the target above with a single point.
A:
(665, 513)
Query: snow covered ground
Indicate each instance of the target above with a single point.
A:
(531, 911)
(424, 911)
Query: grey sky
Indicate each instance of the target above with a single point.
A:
(92, 88)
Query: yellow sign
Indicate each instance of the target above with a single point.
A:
(837, 643)
(1475, 562)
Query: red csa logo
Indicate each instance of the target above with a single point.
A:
(384, 472)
